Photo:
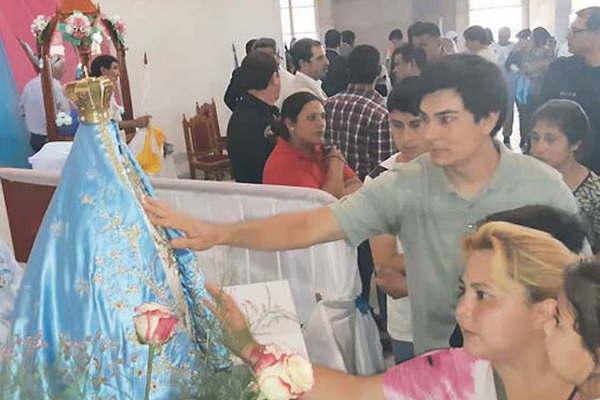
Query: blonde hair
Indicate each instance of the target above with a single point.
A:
(523, 257)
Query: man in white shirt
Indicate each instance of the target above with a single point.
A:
(478, 42)
(504, 46)
(406, 127)
(311, 65)
(32, 103)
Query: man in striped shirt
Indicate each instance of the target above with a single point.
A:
(357, 119)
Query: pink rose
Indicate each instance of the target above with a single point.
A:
(154, 324)
(270, 356)
(78, 25)
(120, 27)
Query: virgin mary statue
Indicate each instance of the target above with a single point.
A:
(95, 259)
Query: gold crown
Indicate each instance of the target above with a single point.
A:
(92, 98)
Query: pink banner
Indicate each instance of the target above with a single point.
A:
(15, 21)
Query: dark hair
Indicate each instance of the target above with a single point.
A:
(302, 51)
(593, 17)
(478, 81)
(563, 226)
(420, 28)
(333, 39)
(250, 46)
(405, 96)
(265, 43)
(348, 37)
(364, 64)
(256, 70)
(411, 53)
(524, 34)
(490, 35)
(582, 289)
(571, 119)
(540, 36)
(102, 61)
(290, 109)
(568, 115)
(396, 34)
(477, 33)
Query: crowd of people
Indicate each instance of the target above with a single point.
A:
(483, 258)
(462, 229)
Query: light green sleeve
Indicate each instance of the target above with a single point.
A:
(373, 210)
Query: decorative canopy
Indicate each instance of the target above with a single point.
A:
(84, 26)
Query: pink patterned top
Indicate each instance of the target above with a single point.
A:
(450, 374)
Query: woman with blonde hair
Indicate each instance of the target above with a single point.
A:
(508, 294)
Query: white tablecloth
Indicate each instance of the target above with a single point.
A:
(53, 155)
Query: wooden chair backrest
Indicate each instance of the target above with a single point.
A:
(199, 136)
(210, 111)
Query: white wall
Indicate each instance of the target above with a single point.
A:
(371, 20)
(189, 49)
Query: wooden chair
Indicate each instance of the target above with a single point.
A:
(210, 111)
(203, 148)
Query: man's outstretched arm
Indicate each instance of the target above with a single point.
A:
(280, 232)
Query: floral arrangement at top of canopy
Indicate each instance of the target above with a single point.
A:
(80, 30)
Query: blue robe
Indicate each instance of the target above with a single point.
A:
(96, 257)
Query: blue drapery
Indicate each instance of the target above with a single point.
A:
(14, 140)
(97, 257)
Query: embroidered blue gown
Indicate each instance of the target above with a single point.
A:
(97, 257)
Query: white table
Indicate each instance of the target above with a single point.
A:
(53, 155)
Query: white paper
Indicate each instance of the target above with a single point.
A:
(270, 310)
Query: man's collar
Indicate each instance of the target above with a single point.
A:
(502, 173)
(307, 78)
(360, 88)
(255, 100)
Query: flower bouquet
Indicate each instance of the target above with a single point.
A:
(80, 30)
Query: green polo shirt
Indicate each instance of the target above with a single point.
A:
(417, 203)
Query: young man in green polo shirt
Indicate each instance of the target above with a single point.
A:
(429, 203)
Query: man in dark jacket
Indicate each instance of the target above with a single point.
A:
(336, 79)
(235, 91)
(578, 77)
(247, 143)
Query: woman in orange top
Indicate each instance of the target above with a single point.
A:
(300, 157)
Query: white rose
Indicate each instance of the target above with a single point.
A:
(97, 37)
(69, 29)
(274, 383)
(300, 372)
